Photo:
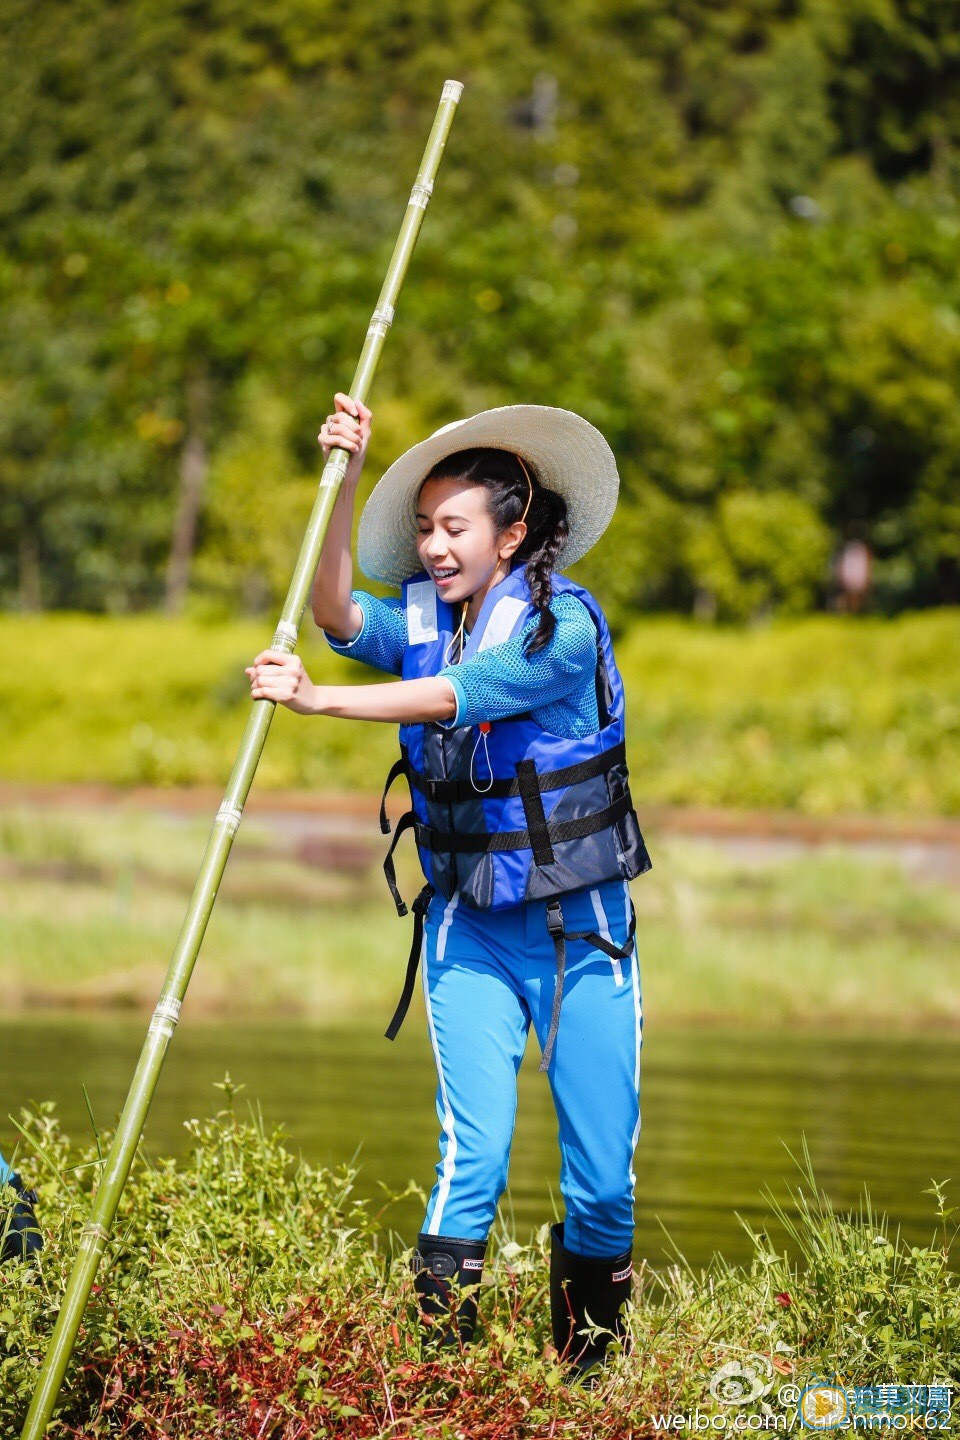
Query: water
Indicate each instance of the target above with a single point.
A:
(719, 1107)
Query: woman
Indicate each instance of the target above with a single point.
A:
(511, 715)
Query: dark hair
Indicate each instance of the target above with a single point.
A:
(502, 476)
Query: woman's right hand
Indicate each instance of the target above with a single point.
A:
(347, 429)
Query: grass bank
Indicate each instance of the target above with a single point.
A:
(246, 1295)
(823, 715)
(91, 902)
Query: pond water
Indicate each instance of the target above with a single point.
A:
(719, 1109)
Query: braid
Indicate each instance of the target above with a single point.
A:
(508, 490)
(546, 537)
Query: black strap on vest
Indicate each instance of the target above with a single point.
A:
(413, 960)
(480, 842)
(453, 792)
(559, 936)
(406, 822)
(534, 813)
(399, 767)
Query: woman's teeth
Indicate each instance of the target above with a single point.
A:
(444, 574)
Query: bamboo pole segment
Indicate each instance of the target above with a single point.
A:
(96, 1232)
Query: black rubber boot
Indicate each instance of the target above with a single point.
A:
(586, 1291)
(439, 1263)
(19, 1233)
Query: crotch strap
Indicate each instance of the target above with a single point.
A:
(559, 936)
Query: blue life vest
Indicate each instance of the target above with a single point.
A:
(506, 812)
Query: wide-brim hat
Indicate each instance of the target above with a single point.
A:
(565, 451)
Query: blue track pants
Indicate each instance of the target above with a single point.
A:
(488, 975)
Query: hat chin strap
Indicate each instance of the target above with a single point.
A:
(526, 472)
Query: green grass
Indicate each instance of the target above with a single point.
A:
(823, 715)
(244, 1294)
(92, 900)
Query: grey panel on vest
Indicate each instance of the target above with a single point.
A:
(448, 753)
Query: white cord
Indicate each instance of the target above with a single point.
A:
(482, 735)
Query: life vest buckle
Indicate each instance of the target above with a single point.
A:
(421, 905)
(554, 918)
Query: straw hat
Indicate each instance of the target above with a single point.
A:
(567, 454)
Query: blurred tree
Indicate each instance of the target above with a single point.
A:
(894, 77)
(763, 552)
(725, 233)
(257, 509)
(791, 135)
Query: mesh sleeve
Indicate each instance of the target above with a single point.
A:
(381, 639)
(502, 681)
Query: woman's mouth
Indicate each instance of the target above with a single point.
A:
(444, 576)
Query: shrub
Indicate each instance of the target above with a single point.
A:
(246, 1294)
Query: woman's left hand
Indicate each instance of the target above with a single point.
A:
(282, 678)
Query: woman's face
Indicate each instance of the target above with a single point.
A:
(456, 541)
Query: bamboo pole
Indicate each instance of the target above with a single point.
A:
(96, 1232)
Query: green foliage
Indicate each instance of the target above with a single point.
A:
(727, 234)
(243, 1289)
(821, 714)
(765, 551)
(792, 134)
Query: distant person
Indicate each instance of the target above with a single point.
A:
(19, 1233)
(854, 574)
(512, 720)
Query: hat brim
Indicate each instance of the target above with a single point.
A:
(567, 453)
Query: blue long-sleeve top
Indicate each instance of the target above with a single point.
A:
(556, 685)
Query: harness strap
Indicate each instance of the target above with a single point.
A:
(448, 842)
(413, 960)
(399, 767)
(405, 822)
(559, 936)
(451, 792)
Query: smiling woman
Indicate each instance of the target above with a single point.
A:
(511, 710)
(467, 524)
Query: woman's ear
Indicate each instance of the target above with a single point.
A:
(511, 539)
